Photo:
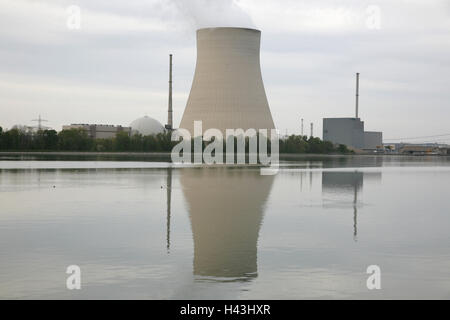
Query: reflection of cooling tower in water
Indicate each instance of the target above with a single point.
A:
(227, 91)
(226, 211)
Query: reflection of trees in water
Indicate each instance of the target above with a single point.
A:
(347, 183)
(226, 211)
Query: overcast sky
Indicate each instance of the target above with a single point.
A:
(114, 68)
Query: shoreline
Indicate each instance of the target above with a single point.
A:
(82, 153)
(167, 154)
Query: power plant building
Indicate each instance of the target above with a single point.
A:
(227, 90)
(99, 131)
(146, 126)
(373, 140)
(348, 131)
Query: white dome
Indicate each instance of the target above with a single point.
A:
(147, 126)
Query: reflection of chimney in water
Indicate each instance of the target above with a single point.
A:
(355, 213)
(344, 184)
(301, 181)
(169, 196)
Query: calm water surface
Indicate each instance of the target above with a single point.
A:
(140, 228)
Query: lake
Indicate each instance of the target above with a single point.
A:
(140, 228)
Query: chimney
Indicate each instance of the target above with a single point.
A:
(302, 126)
(357, 94)
(312, 130)
(169, 125)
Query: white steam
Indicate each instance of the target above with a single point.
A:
(213, 13)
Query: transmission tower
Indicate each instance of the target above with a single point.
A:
(39, 121)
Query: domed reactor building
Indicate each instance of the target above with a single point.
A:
(228, 91)
(146, 126)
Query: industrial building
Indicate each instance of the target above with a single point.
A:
(227, 91)
(373, 140)
(99, 131)
(350, 131)
(422, 148)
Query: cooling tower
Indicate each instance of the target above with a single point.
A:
(227, 91)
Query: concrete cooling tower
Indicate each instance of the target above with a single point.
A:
(227, 91)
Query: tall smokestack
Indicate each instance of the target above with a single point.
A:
(302, 126)
(169, 125)
(312, 132)
(357, 95)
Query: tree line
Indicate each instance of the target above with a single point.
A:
(79, 140)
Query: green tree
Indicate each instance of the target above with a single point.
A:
(12, 139)
(74, 140)
(293, 144)
(165, 141)
(136, 143)
(122, 141)
(342, 148)
(103, 145)
(50, 138)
